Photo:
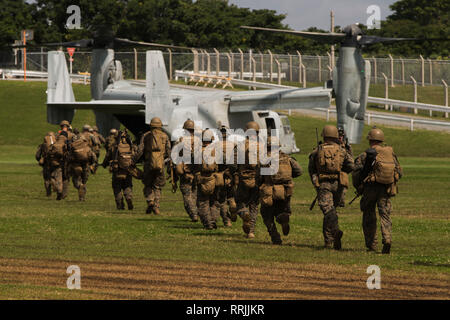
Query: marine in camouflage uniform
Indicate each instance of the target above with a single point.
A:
(376, 194)
(185, 173)
(246, 195)
(67, 128)
(154, 179)
(225, 194)
(79, 171)
(343, 187)
(88, 133)
(99, 141)
(207, 203)
(276, 191)
(111, 139)
(122, 180)
(41, 158)
(326, 163)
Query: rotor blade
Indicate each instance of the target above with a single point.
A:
(149, 44)
(327, 37)
(83, 43)
(368, 40)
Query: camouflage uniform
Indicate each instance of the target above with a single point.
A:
(343, 187)
(122, 180)
(327, 184)
(153, 179)
(279, 210)
(374, 195)
(185, 173)
(65, 127)
(41, 157)
(207, 203)
(93, 144)
(246, 195)
(80, 171)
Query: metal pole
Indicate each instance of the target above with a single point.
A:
(392, 71)
(170, 64)
(304, 75)
(331, 72)
(320, 68)
(24, 58)
(254, 71)
(445, 95)
(208, 63)
(374, 70)
(242, 64)
(135, 64)
(386, 90)
(261, 57)
(217, 61)
(415, 92)
(195, 52)
(290, 67)
(332, 47)
(229, 65)
(423, 70)
(278, 71)
(42, 59)
(271, 65)
(403, 70)
(299, 66)
(431, 71)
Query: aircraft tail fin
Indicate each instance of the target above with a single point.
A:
(157, 100)
(59, 88)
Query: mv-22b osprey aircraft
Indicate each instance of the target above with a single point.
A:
(115, 100)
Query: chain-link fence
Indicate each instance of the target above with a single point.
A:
(251, 65)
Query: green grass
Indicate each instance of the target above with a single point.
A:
(33, 226)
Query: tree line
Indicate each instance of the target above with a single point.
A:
(215, 24)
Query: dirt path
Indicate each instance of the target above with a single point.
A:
(189, 280)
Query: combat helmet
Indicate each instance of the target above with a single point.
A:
(86, 127)
(375, 134)
(156, 123)
(330, 131)
(252, 125)
(207, 135)
(95, 128)
(189, 125)
(64, 123)
(113, 131)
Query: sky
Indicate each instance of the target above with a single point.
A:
(302, 14)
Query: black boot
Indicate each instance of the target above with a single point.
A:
(386, 248)
(130, 204)
(337, 240)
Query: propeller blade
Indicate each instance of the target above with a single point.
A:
(327, 37)
(368, 40)
(122, 41)
(83, 43)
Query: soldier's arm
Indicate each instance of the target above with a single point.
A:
(359, 164)
(398, 168)
(38, 154)
(140, 149)
(167, 148)
(297, 170)
(102, 139)
(312, 170)
(349, 165)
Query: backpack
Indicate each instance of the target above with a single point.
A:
(284, 173)
(384, 167)
(56, 151)
(80, 150)
(154, 144)
(49, 140)
(124, 155)
(329, 159)
(209, 165)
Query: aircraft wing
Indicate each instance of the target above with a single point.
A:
(107, 106)
(279, 99)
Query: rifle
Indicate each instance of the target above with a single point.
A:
(357, 194)
(317, 196)
(368, 166)
(172, 178)
(314, 202)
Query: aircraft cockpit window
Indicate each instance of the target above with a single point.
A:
(286, 125)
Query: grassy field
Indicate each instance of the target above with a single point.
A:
(133, 255)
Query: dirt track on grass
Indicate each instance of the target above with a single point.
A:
(191, 280)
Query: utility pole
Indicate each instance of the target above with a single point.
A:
(332, 30)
